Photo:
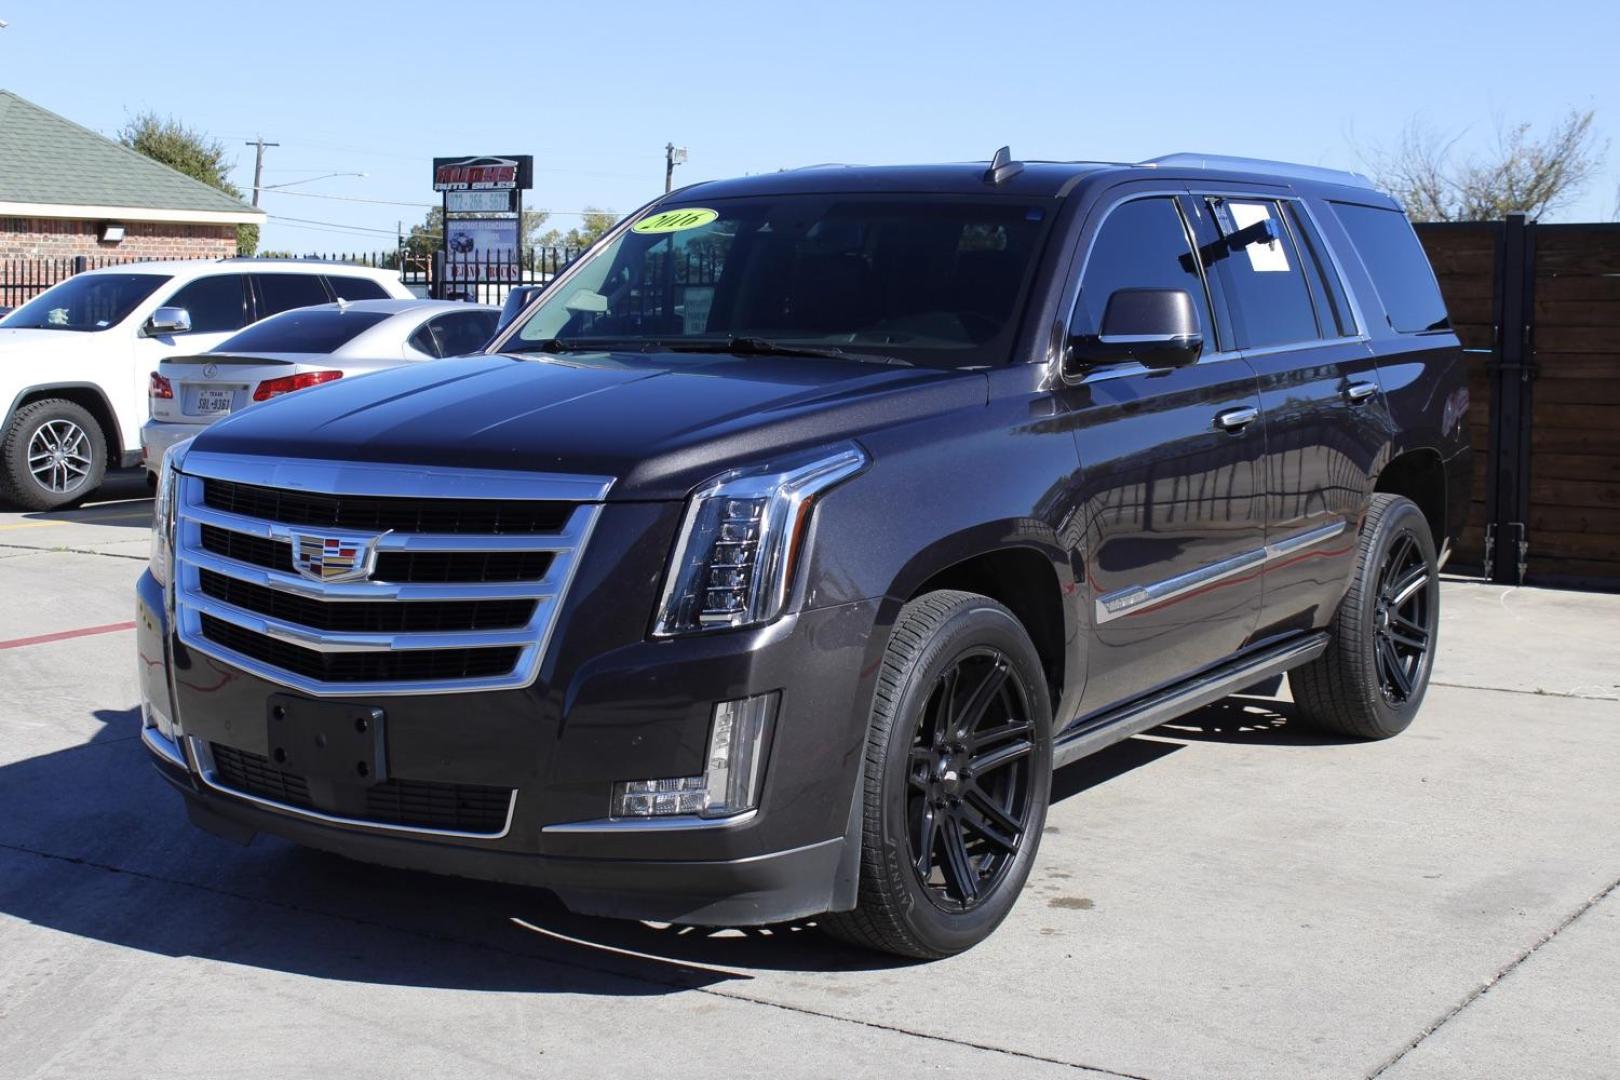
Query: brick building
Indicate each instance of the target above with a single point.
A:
(66, 191)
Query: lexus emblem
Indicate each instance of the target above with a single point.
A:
(210, 370)
(331, 559)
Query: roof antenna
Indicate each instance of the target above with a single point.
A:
(1002, 167)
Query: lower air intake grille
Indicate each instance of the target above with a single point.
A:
(256, 776)
(347, 667)
(423, 804)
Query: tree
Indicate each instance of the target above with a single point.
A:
(593, 225)
(199, 156)
(1524, 173)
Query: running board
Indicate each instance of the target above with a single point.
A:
(1095, 733)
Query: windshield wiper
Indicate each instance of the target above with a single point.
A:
(553, 345)
(758, 346)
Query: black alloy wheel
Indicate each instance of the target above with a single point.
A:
(955, 781)
(1403, 618)
(969, 802)
(1370, 681)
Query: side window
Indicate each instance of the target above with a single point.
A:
(1327, 291)
(356, 288)
(1397, 265)
(1265, 290)
(464, 332)
(216, 304)
(283, 292)
(423, 340)
(1143, 244)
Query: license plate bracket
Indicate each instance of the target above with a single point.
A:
(331, 742)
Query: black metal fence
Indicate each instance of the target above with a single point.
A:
(458, 277)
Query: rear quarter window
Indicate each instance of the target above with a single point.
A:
(1399, 269)
(356, 288)
(303, 332)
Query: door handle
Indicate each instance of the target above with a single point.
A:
(1235, 420)
(1357, 392)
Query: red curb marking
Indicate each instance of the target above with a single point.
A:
(63, 635)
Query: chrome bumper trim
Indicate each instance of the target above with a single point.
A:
(205, 770)
(162, 747)
(672, 823)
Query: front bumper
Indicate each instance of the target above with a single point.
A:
(594, 716)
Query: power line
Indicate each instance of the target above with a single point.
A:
(420, 205)
(333, 225)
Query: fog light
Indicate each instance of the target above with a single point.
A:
(732, 775)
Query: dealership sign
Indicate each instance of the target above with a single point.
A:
(483, 173)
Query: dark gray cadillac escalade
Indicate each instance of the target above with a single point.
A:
(768, 564)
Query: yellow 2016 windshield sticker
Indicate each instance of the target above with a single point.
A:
(687, 217)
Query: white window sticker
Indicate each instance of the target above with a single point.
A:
(1263, 258)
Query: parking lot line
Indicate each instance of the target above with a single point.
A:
(64, 635)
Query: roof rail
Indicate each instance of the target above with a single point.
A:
(1228, 163)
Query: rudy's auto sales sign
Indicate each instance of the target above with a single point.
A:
(485, 172)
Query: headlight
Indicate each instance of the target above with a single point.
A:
(743, 536)
(162, 562)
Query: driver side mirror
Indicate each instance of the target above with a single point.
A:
(1154, 327)
(169, 320)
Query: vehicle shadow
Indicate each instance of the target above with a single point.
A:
(95, 844)
(122, 501)
(1243, 718)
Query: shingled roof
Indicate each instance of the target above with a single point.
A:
(47, 161)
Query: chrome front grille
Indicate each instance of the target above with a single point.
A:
(433, 581)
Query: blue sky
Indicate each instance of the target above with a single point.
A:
(595, 90)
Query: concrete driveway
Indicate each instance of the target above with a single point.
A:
(1228, 896)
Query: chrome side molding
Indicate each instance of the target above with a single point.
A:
(1133, 598)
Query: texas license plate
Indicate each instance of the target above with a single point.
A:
(213, 401)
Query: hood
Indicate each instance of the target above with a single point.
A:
(658, 424)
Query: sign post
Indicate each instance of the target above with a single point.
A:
(483, 219)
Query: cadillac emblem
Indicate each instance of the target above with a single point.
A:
(334, 558)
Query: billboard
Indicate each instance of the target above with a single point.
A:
(482, 249)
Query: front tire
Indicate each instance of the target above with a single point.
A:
(1372, 678)
(54, 453)
(957, 778)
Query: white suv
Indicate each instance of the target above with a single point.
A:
(77, 360)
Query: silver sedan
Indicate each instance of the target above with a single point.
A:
(302, 348)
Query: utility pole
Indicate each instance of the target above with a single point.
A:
(258, 164)
(673, 156)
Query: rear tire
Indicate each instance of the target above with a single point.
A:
(957, 777)
(1372, 678)
(53, 454)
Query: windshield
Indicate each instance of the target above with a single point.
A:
(926, 279)
(88, 302)
(306, 331)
